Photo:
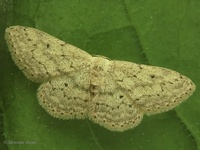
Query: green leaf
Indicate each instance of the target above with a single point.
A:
(162, 33)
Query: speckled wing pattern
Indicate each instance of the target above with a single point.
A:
(41, 56)
(75, 85)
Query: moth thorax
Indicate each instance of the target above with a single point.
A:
(99, 69)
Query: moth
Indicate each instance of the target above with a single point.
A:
(74, 85)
